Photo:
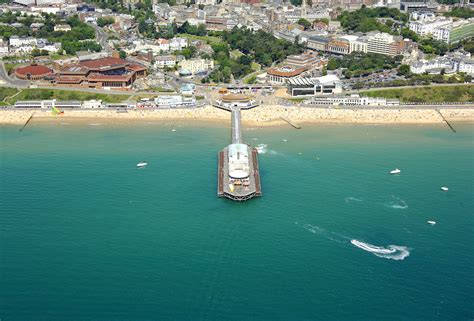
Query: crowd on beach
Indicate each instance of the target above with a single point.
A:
(260, 116)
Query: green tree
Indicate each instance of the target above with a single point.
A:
(305, 23)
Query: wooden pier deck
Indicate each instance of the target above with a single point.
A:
(256, 173)
(220, 174)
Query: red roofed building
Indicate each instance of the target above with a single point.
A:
(33, 72)
(103, 72)
(283, 74)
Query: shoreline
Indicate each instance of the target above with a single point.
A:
(268, 115)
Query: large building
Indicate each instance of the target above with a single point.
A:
(33, 72)
(283, 74)
(384, 44)
(443, 29)
(99, 73)
(305, 86)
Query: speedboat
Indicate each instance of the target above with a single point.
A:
(431, 222)
(285, 140)
(444, 189)
(142, 164)
(173, 130)
(395, 171)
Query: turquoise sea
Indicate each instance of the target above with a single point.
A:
(85, 235)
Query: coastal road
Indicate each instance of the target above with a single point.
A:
(11, 82)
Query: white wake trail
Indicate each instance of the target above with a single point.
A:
(393, 252)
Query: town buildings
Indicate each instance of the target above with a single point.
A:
(442, 28)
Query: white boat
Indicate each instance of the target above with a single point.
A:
(431, 222)
(285, 140)
(444, 189)
(142, 164)
(395, 171)
(173, 130)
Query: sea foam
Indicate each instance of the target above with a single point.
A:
(396, 203)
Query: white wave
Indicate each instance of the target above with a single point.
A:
(392, 252)
(64, 124)
(397, 203)
(94, 124)
(262, 148)
(353, 199)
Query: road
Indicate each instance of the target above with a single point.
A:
(403, 87)
(11, 82)
(101, 37)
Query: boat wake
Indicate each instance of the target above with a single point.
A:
(392, 252)
(332, 236)
(353, 199)
(396, 203)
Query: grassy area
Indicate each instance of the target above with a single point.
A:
(162, 90)
(461, 93)
(9, 67)
(208, 39)
(40, 94)
(6, 92)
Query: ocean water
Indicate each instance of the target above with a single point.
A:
(85, 235)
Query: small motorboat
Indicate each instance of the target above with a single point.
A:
(444, 189)
(395, 171)
(173, 130)
(142, 164)
(285, 140)
(431, 222)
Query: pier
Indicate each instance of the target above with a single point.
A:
(238, 176)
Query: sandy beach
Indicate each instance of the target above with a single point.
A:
(260, 116)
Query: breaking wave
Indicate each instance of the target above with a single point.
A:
(392, 252)
(94, 124)
(262, 148)
(396, 203)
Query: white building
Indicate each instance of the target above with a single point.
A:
(63, 27)
(428, 27)
(305, 86)
(165, 61)
(239, 166)
(92, 104)
(352, 100)
(177, 44)
(195, 66)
